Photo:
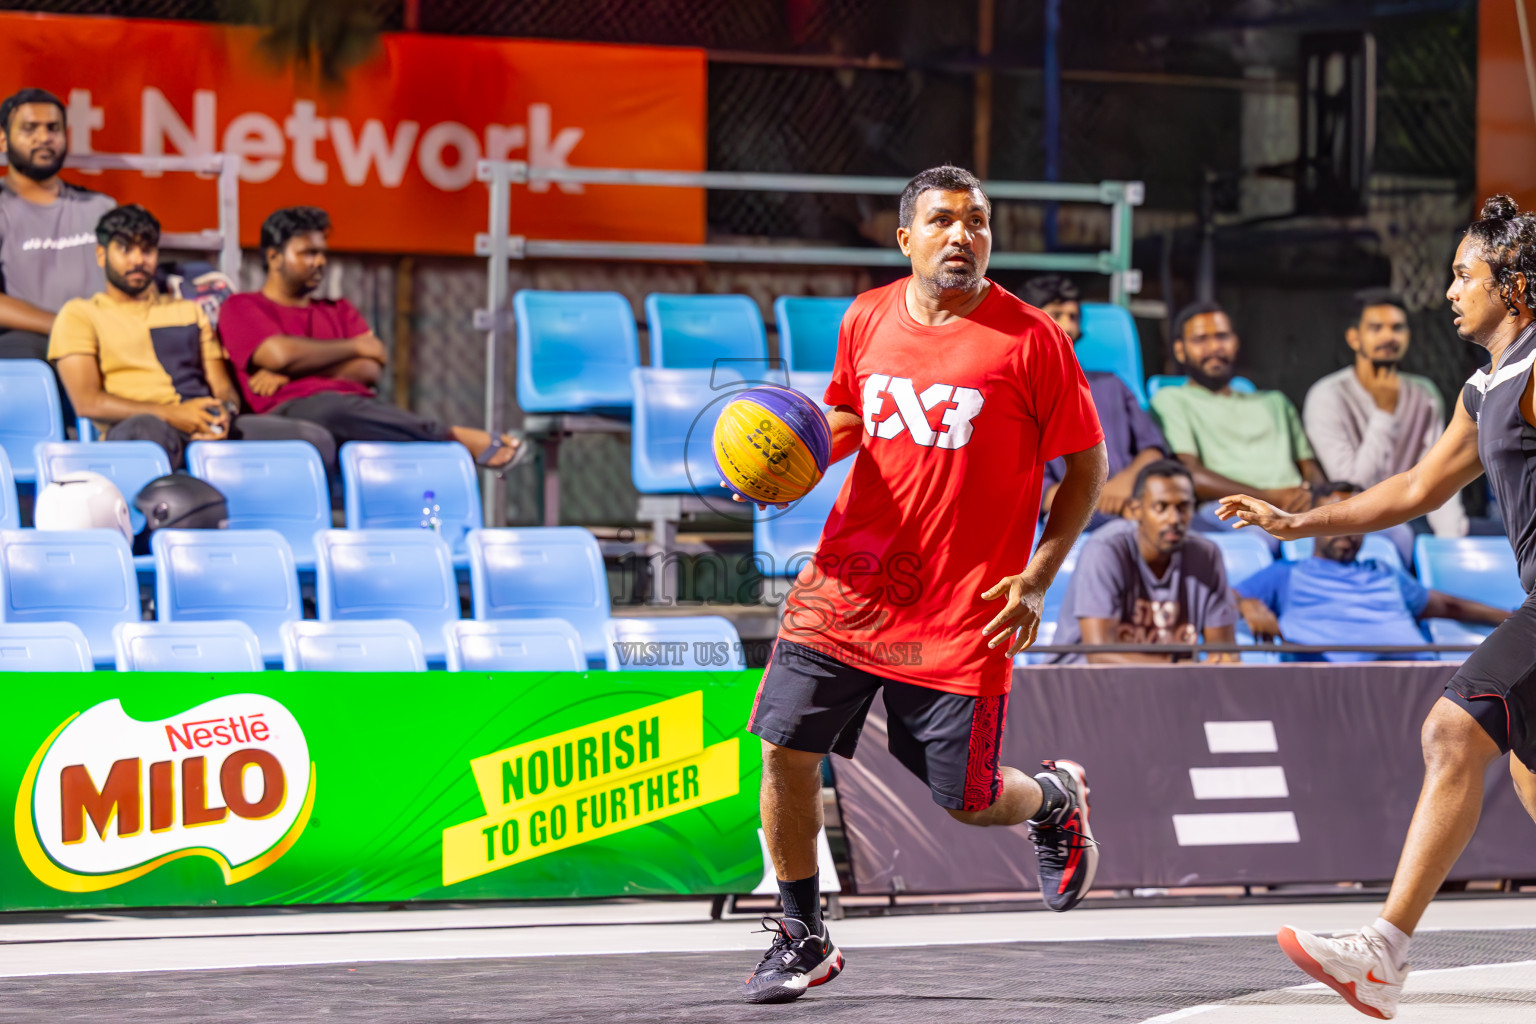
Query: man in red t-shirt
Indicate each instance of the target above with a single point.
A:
(317, 359)
(954, 394)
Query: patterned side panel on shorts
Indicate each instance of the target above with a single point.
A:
(982, 782)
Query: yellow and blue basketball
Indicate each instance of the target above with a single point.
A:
(771, 444)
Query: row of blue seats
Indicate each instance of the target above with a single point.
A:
(87, 577)
(1478, 568)
(697, 643)
(576, 350)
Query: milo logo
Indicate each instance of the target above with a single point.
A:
(107, 798)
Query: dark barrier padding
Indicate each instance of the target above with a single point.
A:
(1342, 774)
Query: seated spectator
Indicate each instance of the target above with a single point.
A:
(1333, 598)
(303, 358)
(1130, 436)
(47, 226)
(148, 367)
(1233, 443)
(1146, 579)
(1370, 420)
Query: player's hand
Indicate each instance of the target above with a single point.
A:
(266, 382)
(1250, 511)
(737, 497)
(1019, 621)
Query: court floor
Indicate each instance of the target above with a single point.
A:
(665, 961)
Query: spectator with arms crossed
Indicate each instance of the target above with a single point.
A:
(1231, 442)
(1146, 579)
(1333, 598)
(146, 366)
(303, 358)
(1132, 439)
(1369, 420)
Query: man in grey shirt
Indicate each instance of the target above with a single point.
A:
(47, 226)
(1370, 421)
(1146, 579)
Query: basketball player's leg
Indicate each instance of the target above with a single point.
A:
(953, 743)
(1525, 783)
(809, 704)
(1466, 731)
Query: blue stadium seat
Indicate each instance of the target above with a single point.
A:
(813, 386)
(210, 646)
(387, 574)
(690, 332)
(574, 351)
(1377, 546)
(269, 485)
(10, 514)
(1449, 631)
(29, 412)
(383, 483)
(723, 652)
(44, 647)
(128, 464)
(1477, 568)
(373, 645)
(539, 572)
(213, 575)
(514, 645)
(80, 576)
(808, 331)
(1158, 381)
(1109, 343)
(675, 413)
(781, 536)
(1242, 551)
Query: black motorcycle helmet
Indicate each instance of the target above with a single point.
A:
(181, 502)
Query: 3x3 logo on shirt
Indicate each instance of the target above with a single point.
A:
(893, 406)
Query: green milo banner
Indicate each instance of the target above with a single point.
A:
(137, 790)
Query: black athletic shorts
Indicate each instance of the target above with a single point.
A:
(1497, 684)
(811, 701)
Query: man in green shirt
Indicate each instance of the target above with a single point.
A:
(1232, 442)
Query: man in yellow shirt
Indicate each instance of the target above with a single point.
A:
(146, 366)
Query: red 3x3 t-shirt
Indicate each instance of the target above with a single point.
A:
(942, 500)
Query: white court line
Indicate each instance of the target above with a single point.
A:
(1194, 1011)
(22, 959)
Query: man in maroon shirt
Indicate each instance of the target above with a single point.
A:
(317, 359)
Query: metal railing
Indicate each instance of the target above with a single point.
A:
(500, 247)
(225, 240)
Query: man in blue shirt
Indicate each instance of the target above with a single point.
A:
(1333, 598)
(1131, 439)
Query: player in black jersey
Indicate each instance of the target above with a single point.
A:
(1489, 708)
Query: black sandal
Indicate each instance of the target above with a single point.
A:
(483, 460)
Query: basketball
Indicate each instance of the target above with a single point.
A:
(771, 444)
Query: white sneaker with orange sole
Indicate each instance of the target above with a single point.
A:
(1356, 965)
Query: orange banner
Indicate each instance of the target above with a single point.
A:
(1506, 125)
(392, 153)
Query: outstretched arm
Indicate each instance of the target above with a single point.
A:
(1445, 469)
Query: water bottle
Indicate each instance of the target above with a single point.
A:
(431, 512)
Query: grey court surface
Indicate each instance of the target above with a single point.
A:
(1476, 962)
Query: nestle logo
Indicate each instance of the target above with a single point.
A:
(218, 732)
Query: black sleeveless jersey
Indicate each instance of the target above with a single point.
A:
(1506, 443)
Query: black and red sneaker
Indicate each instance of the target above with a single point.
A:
(795, 962)
(1063, 842)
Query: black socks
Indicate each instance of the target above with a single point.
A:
(1052, 797)
(802, 901)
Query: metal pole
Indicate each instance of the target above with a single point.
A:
(1051, 72)
(229, 218)
(497, 284)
